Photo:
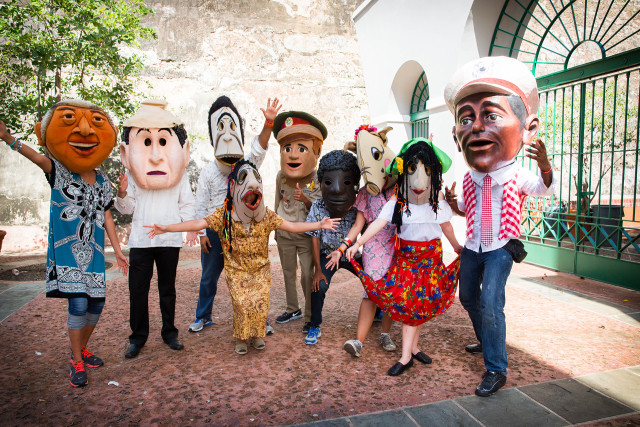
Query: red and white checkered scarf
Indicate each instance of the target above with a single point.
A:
(511, 207)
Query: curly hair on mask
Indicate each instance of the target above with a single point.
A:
(423, 152)
(339, 160)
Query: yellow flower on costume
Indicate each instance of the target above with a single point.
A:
(311, 185)
(399, 164)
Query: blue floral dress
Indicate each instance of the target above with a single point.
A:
(75, 256)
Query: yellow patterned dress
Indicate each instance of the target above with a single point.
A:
(248, 272)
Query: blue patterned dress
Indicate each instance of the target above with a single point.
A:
(75, 256)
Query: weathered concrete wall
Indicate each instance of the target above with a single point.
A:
(302, 51)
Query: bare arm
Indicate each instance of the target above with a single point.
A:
(43, 162)
(372, 230)
(301, 227)
(110, 227)
(447, 230)
(356, 228)
(193, 225)
(318, 276)
(269, 115)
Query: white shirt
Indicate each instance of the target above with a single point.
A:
(212, 182)
(422, 225)
(166, 206)
(527, 183)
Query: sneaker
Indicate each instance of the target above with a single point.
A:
(306, 327)
(90, 359)
(199, 325)
(353, 347)
(387, 343)
(270, 330)
(78, 376)
(285, 317)
(313, 335)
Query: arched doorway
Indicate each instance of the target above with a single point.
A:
(585, 55)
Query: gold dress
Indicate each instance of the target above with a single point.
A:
(248, 271)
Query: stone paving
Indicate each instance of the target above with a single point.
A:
(574, 348)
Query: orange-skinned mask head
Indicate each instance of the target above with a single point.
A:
(78, 134)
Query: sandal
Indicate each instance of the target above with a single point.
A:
(258, 343)
(241, 347)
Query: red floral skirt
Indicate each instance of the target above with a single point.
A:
(418, 287)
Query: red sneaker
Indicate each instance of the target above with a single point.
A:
(90, 359)
(78, 376)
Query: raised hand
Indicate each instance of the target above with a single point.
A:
(123, 184)
(450, 195)
(272, 109)
(330, 223)
(538, 152)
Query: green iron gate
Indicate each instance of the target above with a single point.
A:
(585, 56)
(419, 112)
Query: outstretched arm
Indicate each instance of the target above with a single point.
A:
(193, 225)
(372, 230)
(43, 162)
(301, 227)
(269, 116)
(356, 228)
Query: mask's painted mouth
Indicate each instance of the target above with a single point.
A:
(294, 165)
(417, 192)
(83, 146)
(156, 173)
(230, 159)
(480, 145)
(252, 199)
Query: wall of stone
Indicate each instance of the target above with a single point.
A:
(304, 52)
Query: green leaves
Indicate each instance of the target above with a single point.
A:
(82, 41)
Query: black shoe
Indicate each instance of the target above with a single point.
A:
(285, 317)
(174, 343)
(473, 348)
(399, 368)
(132, 351)
(491, 382)
(305, 328)
(422, 357)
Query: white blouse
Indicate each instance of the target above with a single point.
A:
(423, 224)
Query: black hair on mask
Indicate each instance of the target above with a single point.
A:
(339, 160)
(421, 151)
(224, 101)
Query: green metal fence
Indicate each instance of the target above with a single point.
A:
(591, 227)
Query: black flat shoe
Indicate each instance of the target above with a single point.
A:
(422, 357)
(473, 348)
(174, 344)
(399, 368)
(132, 351)
(491, 382)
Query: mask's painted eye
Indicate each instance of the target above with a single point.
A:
(287, 149)
(233, 126)
(163, 142)
(302, 149)
(220, 126)
(242, 176)
(68, 118)
(347, 182)
(147, 142)
(411, 168)
(428, 169)
(257, 175)
(376, 153)
(98, 120)
(327, 182)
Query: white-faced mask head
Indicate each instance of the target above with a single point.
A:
(226, 132)
(246, 190)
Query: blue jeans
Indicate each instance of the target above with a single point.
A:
(212, 265)
(83, 311)
(486, 306)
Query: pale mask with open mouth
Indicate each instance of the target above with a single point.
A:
(246, 189)
(226, 136)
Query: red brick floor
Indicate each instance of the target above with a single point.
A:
(289, 382)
